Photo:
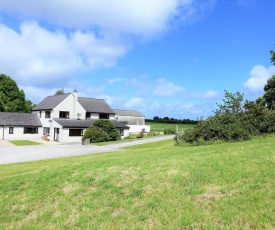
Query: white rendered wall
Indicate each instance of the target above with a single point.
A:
(139, 128)
(65, 138)
(18, 134)
(71, 105)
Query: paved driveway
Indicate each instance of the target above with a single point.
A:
(15, 154)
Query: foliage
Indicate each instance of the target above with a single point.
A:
(12, 99)
(233, 121)
(59, 91)
(272, 52)
(269, 95)
(95, 134)
(167, 120)
(108, 127)
(231, 104)
(101, 130)
(152, 186)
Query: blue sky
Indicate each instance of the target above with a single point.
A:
(163, 58)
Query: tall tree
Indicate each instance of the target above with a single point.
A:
(12, 99)
(269, 88)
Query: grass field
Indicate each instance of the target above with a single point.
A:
(152, 186)
(160, 127)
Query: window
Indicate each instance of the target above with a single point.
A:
(40, 112)
(10, 130)
(88, 115)
(30, 130)
(121, 132)
(46, 131)
(63, 114)
(75, 132)
(48, 114)
(103, 116)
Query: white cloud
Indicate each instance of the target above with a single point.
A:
(166, 88)
(258, 77)
(135, 102)
(39, 57)
(142, 18)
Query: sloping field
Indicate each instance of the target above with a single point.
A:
(152, 186)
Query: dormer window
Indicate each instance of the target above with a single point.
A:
(47, 114)
(64, 114)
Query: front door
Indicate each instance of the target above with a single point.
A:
(56, 134)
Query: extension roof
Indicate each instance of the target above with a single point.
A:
(51, 102)
(93, 105)
(133, 113)
(75, 123)
(19, 119)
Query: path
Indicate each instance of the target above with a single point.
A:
(15, 154)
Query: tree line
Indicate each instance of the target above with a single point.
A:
(171, 120)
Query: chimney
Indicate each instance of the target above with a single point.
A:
(75, 94)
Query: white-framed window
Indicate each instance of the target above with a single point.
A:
(46, 131)
(47, 114)
(64, 114)
(121, 132)
(10, 130)
(75, 132)
(30, 130)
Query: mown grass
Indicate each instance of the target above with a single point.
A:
(153, 186)
(23, 142)
(160, 127)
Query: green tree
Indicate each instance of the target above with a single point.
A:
(12, 99)
(269, 95)
(231, 104)
(59, 91)
(272, 52)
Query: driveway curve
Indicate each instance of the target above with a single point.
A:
(16, 154)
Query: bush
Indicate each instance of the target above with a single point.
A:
(108, 127)
(95, 134)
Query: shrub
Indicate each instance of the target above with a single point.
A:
(95, 134)
(108, 127)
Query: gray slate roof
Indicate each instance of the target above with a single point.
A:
(19, 119)
(133, 113)
(75, 123)
(50, 102)
(93, 105)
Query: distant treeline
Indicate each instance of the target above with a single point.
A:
(171, 120)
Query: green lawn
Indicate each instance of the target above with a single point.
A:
(24, 142)
(160, 127)
(152, 186)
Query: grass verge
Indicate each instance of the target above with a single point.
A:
(23, 142)
(152, 186)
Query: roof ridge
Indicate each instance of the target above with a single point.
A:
(92, 98)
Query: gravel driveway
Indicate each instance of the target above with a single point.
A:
(15, 154)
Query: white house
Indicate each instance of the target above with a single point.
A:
(63, 117)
